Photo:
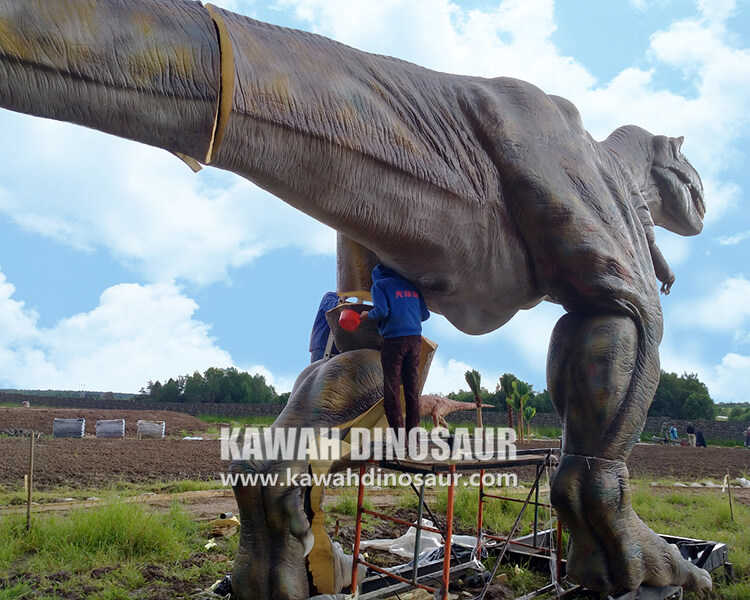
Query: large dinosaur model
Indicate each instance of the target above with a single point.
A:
(487, 193)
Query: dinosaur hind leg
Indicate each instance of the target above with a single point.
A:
(601, 380)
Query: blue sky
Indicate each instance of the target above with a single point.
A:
(118, 265)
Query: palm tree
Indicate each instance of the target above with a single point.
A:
(521, 394)
(506, 387)
(529, 413)
(474, 379)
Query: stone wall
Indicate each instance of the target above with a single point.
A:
(712, 430)
(199, 408)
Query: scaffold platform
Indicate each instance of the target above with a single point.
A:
(434, 576)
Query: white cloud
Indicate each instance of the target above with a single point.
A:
(525, 337)
(675, 248)
(727, 381)
(717, 10)
(281, 383)
(512, 39)
(724, 310)
(527, 333)
(733, 240)
(731, 379)
(446, 376)
(135, 334)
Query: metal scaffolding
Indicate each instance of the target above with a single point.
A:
(541, 459)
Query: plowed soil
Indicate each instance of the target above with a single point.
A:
(40, 419)
(93, 462)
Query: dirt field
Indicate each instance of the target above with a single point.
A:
(94, 462)
(677, 462)
(40, 419)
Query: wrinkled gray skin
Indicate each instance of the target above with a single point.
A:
(275, 536)
(487, 193)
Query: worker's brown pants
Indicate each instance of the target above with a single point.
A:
(400, 360)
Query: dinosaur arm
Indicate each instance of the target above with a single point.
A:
(661, 267)
(663, 271)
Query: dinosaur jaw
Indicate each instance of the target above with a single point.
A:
(683, 207)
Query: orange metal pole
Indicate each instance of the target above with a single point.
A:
(449, 532)
(480, 513)
(358, 530)
(385, 517)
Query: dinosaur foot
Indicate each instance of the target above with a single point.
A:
(611, 549)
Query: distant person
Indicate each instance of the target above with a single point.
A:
(700, 441)
(399, 309)
(320, 330)
(747, 437)
(691, 434)
(673, 437)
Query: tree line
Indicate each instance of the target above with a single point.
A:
(677, 397)
(215, 385)
(682, 397)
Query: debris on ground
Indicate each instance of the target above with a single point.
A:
(224, 527)
(428, 541)
(222, 587)
(211, 544)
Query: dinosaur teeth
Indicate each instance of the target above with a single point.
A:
(698, 202)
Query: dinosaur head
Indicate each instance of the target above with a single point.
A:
(676, 203)
(275, 536)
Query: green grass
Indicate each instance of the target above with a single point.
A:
(726, 443)
(497, 516)
(650, 438)
(701, 515)
(87, 538)
(15, 496)
(123, 542)
(546, 432)
(246, 421)
(347, 504)
(185, 485)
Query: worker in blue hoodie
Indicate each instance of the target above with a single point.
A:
(399, 310)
